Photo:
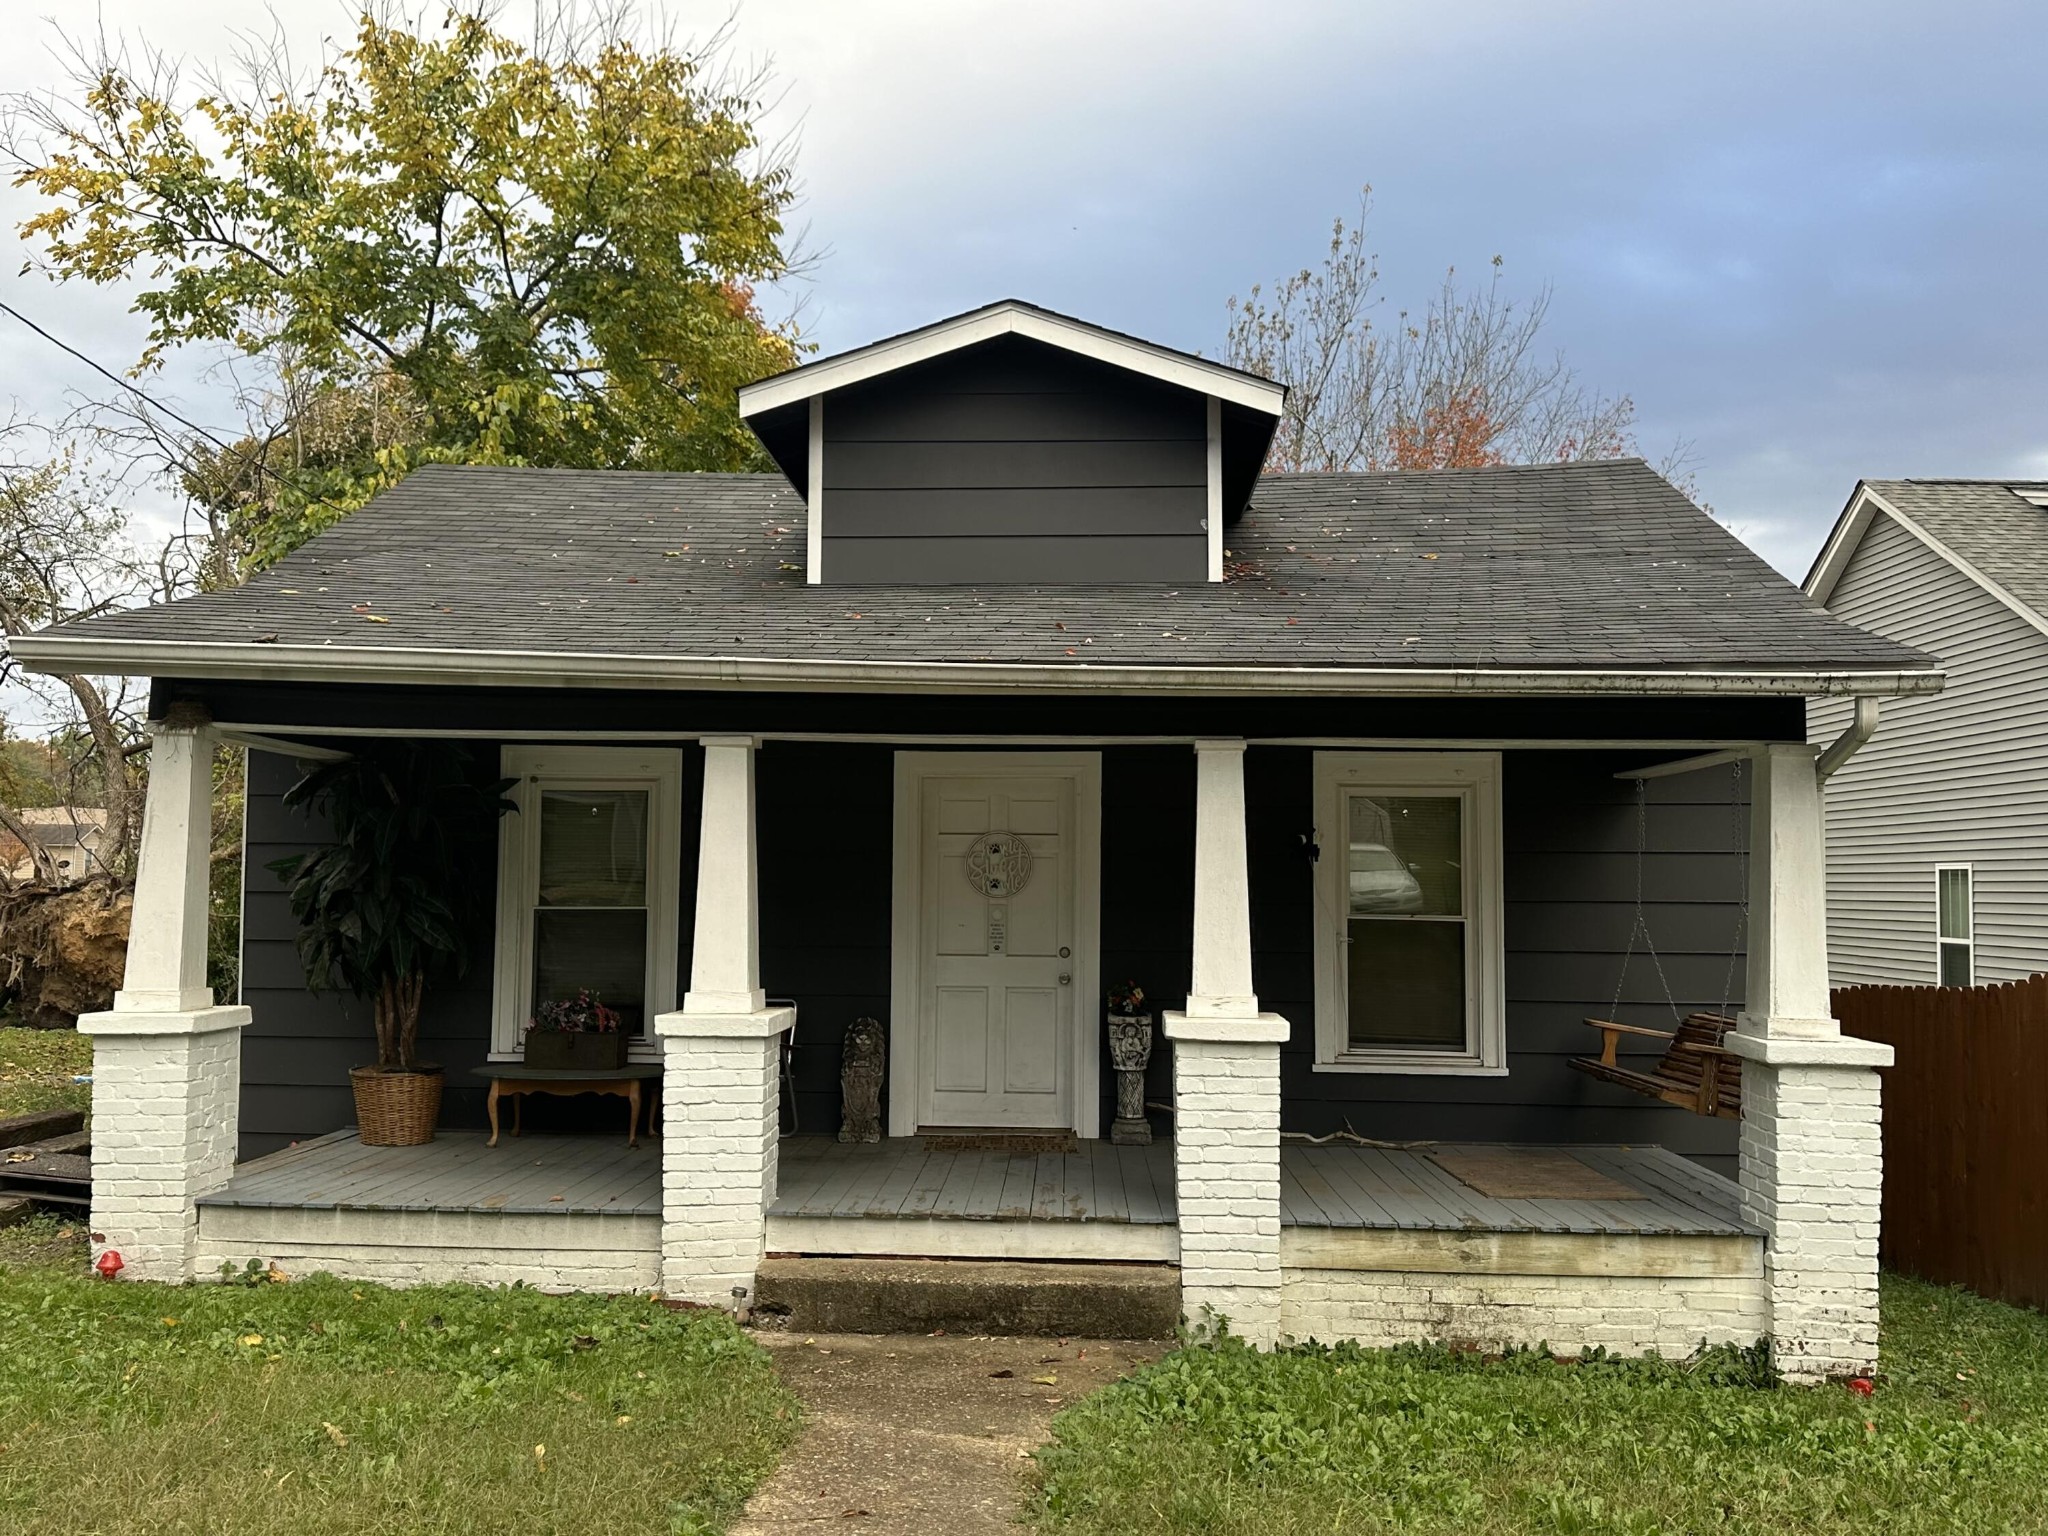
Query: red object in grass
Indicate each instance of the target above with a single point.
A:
(109, 1264)
(1862, 1386)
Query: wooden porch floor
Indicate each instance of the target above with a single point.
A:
(529, 1175)
(1097, 1184)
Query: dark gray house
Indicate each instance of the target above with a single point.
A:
(1017, 682)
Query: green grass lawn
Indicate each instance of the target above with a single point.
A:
(36, 1068)
(1224, 1441)
(317, 1406)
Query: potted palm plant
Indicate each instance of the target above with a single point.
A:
(388, 904)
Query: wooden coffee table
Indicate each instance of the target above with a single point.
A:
(513, 1080)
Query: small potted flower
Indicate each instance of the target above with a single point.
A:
(1130, 1051)
(575, 1034)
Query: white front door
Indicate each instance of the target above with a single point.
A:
(997, 934)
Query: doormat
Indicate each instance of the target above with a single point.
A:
(1529, 1173)
(1002, 1141)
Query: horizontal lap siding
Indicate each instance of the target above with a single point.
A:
(825, 839)
(1013, 462)
(1958, 778)
(298, 1048)
(1569, 834)
(823, 835)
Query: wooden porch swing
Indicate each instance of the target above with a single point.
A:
(1697, 1071)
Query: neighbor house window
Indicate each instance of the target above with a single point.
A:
(1955, 922)
(1408, 902)
(588, 879)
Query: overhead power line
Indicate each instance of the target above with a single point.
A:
(157, 405)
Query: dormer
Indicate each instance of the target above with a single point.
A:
(1014, 445)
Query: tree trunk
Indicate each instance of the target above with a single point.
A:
(39, 856)
(121, 796)
(387, 1024)
(410, 991)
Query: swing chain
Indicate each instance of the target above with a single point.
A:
(1640, 927)
(1739, 835)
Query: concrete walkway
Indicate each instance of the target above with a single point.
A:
(917, 1436)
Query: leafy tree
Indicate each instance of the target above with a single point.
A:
(443, 245)
(1463, 384)
(64, 554)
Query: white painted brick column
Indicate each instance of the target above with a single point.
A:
(1811, 1157)
(166, 1062)
(721, 1060)
(1226, 1080)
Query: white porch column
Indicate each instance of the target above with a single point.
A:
(1811, 1159)
(721, 1060)
(167, 1064)
(1226, 1080)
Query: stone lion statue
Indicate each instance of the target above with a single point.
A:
(861, 1064)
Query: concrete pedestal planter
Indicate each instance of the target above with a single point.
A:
(1130, 1052)
(396, 1107)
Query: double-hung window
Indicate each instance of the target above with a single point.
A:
(1408, 912)
(1955, 926)
(588, 880)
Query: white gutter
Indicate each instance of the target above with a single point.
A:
(1845, 746)
(59, 653)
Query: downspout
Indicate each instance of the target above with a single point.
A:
(1845, 746)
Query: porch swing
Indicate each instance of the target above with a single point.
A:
(1697, 1071)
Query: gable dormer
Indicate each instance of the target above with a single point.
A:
(1014, 445)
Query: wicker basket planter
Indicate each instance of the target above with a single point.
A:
(396, 1108)
(576, 1049)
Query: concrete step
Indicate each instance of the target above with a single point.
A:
(1089, 1301)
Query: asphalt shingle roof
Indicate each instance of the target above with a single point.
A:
(1988, 523)
(1597, 566)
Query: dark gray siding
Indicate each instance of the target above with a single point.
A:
(298, 1048)
(823, 835)
(825, 840)
(1568, 833)
(1015, 462)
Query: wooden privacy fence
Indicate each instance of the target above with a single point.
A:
(1965, 1131)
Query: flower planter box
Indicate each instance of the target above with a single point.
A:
(561, 1050)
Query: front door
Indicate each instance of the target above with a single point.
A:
(996, 1014)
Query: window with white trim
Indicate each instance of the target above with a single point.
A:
(589, 876)
(1955, 926)
(1408, 912)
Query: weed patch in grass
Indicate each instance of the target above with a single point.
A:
(320, 1406)
(1220, 1439)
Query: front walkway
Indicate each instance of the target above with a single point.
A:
(917, 1436)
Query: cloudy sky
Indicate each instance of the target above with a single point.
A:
(1807, 237)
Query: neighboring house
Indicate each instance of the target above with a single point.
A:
(1017, 681)
(72, 834)
(1938, 829)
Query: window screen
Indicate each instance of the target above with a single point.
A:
(1405, 927)
(590, 918)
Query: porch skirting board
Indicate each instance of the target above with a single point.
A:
(948, 1238)
(566, 1251)
(1625, 1314)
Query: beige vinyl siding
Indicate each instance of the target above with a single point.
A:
(1958, 778)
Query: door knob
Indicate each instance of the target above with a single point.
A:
(1065, 979)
